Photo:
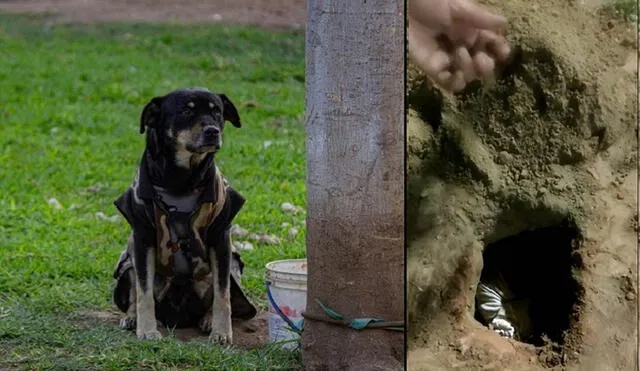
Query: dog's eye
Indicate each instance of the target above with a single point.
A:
(214, 110)
(191, 104)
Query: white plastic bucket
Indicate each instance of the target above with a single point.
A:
(287, 296)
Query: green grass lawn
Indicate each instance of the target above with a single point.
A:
(70, 101)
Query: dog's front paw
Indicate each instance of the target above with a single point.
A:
(220, 331)
(149, 334)
(128, 323)
(222, 337)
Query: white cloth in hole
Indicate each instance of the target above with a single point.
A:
(489, 301)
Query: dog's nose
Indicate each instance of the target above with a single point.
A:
(211, 132)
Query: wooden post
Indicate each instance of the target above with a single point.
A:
(355, 181)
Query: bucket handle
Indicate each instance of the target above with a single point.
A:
(279, 311)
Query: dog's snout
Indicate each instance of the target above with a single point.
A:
(211, 131)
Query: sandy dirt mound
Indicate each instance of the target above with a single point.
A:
(264, 13)
(541, 164)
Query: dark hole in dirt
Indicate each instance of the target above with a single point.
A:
(600, 133)
(541, 99)
(512, 65)
(537, 269)
(427, 101)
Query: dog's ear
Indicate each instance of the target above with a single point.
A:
(150, 114)
(153, 142)
(230, 112)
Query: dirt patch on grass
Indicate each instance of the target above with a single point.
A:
(265, 13)
(551, 143)
(246, 334)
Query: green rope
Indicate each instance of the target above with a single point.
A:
(356, 323)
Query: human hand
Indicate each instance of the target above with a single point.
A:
(455, 41)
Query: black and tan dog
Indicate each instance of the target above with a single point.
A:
(179, 266)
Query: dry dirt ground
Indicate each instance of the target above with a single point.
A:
(248, 335)
(551, 144)
(263, 13)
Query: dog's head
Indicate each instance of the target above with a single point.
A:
(190, 120)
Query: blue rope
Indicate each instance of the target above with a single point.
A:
(279, 312)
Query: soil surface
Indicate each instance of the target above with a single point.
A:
(246, 334)
(552, 139)
(263, 13)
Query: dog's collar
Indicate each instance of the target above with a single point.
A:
(146, 191)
